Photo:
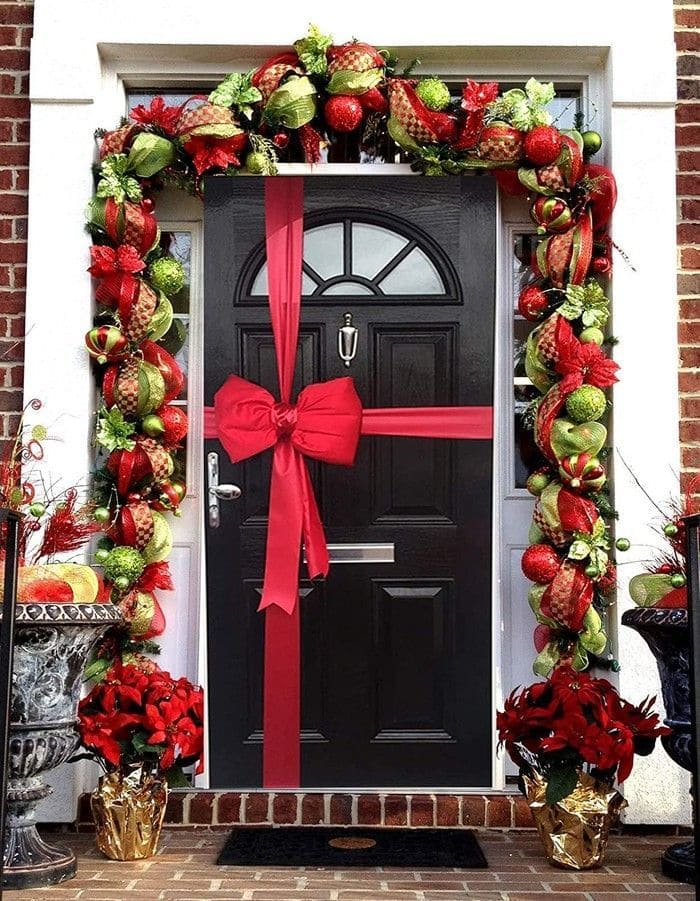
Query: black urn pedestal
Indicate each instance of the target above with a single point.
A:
(666, 633)
(51, 647)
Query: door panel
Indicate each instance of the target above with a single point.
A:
(396, 668)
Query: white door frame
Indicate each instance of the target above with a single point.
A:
(77, 81)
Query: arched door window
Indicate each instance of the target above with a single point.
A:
(357, 255)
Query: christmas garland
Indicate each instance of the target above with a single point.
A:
(291, 108)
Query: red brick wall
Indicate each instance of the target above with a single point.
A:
(687, 19)
(16, 18)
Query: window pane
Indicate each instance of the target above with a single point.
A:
(527, 455)
(348, 288)
(415, 274)
(373, 247)
(323, 249)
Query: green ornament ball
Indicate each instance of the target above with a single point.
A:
(434, 93)
(623, 544)
(592, 142)
(591, 571)
(101, 555)
(167, 275)
(37, 509)
(586, 404)
(670, 529)
(153, 426)
(678, 580)
(537, 482)
(256, 163)
(592, 335)
(123, 563)
(122, 583)
(101, 515)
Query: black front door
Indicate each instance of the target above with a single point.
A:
(396, 656)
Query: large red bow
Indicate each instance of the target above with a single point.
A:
(324, 424)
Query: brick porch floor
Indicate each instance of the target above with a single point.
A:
(184, 870)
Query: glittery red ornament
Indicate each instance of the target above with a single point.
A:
(343, 113)
(374, 101)
(280, 140)
(542, 145)
(532, 303)
(174, 424)
(540, 563)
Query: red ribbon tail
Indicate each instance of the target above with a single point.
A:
(317, 559)
(284, 530)
(282, 699)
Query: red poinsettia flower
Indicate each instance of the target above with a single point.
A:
(158, 114)
(585, 363)
(107, 260)
(577, 691)
(211, 152)
(102, 733)
(478, 94)
(156, 576)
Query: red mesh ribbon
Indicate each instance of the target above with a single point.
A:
(325, 423)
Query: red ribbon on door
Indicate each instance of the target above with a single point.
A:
(325, 424)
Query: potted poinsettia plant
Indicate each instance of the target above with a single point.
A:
(572, 736)
(142, 726)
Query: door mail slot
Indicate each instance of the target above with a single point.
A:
(360, 553)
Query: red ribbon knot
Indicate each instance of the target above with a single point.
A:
(284, 419)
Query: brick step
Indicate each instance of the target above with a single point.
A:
(223, 808)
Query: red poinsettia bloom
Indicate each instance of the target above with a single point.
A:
(211, 152)
(156, 576)
(102, 733)
(585, 363)
(159, 115)
(578, 691)
(108, 260)
(478, 94)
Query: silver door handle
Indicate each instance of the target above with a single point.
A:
(225, 492)
(218, 492)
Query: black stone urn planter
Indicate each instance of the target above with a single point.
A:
(666, 633)
(51, 648)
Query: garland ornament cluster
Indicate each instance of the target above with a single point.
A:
(290, 108)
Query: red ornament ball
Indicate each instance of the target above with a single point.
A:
(174, 425)
(540, 563)
(280, 140)
(343, 113)
(532, 303)
(148, 204)
(601, 265)
(542, 145)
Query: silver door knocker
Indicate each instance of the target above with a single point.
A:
(347, 340)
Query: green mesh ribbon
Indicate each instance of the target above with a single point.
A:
(161, 320)
(293, 104)
(646, 589)
(345, 81)
(567, 438)
(149, 154)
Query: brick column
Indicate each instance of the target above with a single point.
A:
(687, 25)
(16, 18)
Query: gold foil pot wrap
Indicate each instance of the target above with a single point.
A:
(575, 830)
(128, 813)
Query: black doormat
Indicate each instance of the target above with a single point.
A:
(338, 847)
